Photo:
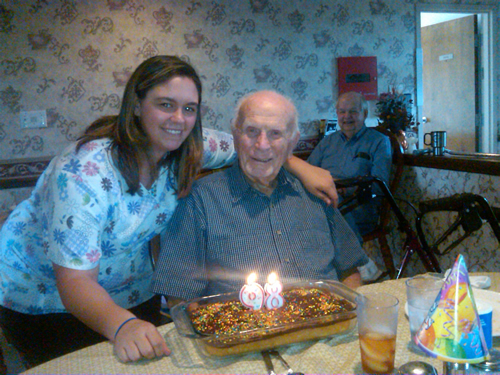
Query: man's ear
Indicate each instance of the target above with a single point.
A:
(293, 142)
(296, 138)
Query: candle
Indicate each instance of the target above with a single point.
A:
(252, 294)
(273, 289)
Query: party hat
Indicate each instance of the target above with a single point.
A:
(452, 331)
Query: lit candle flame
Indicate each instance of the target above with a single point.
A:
(271, 279)
(252, 278)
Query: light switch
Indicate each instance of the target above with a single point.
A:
(33, 119)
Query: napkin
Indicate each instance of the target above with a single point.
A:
(452, 330)
(481, 282)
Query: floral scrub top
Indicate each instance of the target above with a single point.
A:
(80, 216)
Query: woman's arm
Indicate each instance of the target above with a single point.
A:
(218, 149)
(317, 181)
(83, 297)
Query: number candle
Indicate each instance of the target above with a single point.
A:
(273, 289)
(252, 294)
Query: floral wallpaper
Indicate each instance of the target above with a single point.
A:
(72, 58)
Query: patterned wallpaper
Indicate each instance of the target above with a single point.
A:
(72, 58)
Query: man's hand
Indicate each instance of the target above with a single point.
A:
(353, 281)
(317, 181)
(139, 339)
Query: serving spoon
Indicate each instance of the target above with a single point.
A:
(266, 355)
(417, 367)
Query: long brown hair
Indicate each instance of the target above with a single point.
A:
(129, 141)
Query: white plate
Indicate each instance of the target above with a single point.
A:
(486, 296)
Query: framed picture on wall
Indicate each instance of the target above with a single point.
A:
(331, 126)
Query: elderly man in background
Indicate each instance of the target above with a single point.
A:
(355, 151)
(255, 217)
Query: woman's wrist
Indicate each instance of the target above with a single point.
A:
(121, 326)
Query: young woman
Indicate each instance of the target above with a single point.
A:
(74, 257)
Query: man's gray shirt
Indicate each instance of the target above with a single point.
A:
(225, 230)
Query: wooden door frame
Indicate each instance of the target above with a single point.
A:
(490, 61)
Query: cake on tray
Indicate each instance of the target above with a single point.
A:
(223, 326)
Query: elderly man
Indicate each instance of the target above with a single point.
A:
(255, 217)
(356, 151)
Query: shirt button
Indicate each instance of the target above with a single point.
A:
(278, 232)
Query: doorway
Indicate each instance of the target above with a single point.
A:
(455, 87)
(450, 80)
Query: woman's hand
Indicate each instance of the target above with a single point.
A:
(317, 181)
(138, 339)
(83, 297)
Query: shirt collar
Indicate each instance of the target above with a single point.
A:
(241, 188)
(356, 136)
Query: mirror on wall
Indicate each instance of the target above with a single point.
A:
(456, 53)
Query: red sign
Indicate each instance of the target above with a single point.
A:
(358, 74)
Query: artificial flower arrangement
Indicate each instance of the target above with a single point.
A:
(392, 110)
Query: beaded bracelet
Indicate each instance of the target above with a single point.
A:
(121, 325)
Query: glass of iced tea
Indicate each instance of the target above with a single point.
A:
(377, 328)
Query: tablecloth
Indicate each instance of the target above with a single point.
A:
(336, 355)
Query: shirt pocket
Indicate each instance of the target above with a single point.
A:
(362, 167)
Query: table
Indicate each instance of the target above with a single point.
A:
(335, 355)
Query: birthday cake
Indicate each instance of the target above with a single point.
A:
(224, 326)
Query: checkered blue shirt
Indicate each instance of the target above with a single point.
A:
(225, 229)
(367, 153)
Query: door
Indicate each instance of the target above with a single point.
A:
(449, 81)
